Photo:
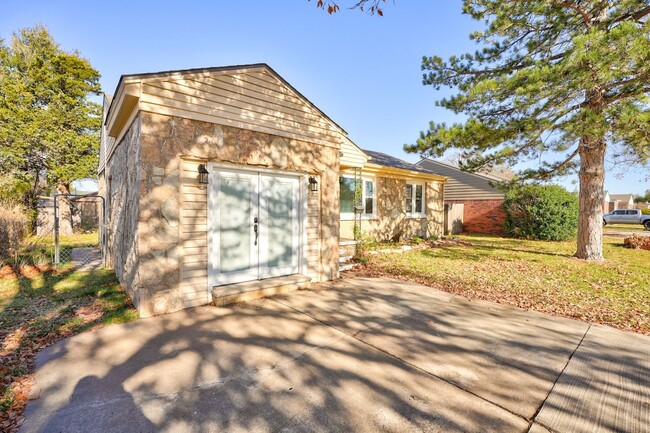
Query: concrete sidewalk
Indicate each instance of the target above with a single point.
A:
(358, 355)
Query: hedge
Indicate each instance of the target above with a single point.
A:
(545, 212)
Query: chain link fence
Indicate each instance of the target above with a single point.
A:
(68, 233)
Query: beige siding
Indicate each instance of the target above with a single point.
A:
(351, 154)
(461, 185)
(105, 142)
(256, 101)
(194, 237)
(313, 228)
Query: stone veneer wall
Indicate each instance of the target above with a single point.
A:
(120, 184)
(165, 143)
(482, 216)
(391, 222)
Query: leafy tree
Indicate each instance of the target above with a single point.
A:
(552, 81)
(546, 212)
(49, 129)
(645, 198)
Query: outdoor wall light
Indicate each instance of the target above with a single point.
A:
(313, 184)
(203, 175)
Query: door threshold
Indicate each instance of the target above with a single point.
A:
(250, 290)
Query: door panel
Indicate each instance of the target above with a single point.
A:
(235, 254)
(238, 203)
(279, 226)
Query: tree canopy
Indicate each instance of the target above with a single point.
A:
(555, 82)
(49, 129)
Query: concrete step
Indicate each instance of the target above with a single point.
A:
(347, 266)
(344, 259)
(348, 243)
(250, 290)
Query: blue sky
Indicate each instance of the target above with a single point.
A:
(362, 70)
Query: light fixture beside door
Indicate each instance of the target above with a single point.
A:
(203, 175)
(313, 184)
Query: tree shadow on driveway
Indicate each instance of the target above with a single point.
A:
(344, 358)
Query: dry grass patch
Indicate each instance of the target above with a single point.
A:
(38, 309)
(534, 275)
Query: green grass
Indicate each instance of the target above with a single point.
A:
(39, 250)
(632, 228)
(536, 275)
(39, 308)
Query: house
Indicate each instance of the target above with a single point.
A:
(482, 212)
(225, 182)
(399, 199)
(606, 202)
(621, 201)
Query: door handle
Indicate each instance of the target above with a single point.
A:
(255, 221)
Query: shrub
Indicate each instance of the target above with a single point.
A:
(645, 211)
(13, 227)
(546, 212)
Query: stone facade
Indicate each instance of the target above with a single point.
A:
(120, 184)
(147, 184)
(391, 222)
(482, 216)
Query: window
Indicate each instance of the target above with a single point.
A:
(619, 212)
(347, 194)
(631, 212)
(414, 199)
(369, 197)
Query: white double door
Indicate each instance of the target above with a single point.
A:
(254, 226)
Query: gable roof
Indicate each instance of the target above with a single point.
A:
(213, 69)
(451, 165)
(390, 161)
(251, 97)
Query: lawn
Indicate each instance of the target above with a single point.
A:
(632, 228)
(534, 275)
(38, 309)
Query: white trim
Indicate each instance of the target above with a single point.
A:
(422, 214)
(213, 219)
(349, 216)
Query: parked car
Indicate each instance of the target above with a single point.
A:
(627, 216)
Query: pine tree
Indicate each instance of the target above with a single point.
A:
(561, 82)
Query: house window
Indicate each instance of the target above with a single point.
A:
(414, 200)
(369, 197)
(347, 194)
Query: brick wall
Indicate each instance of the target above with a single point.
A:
(482, 216)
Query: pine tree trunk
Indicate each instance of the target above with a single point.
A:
(592, 182)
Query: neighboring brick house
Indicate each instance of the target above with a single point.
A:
(621, 201)
(482, 202)
(224, 181)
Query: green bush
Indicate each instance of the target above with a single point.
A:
(645, 211)
(546, 212)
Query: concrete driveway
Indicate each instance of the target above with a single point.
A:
(356, 355)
